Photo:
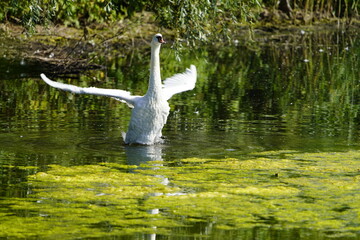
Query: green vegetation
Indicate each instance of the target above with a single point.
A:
(193, 19)
(29, 13)
(103, 23)
(267, 190)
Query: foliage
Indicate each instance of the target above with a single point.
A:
(338, 8)
(78, 12)
(191, 19)
(203, 20)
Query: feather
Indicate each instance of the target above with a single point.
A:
(180, 82)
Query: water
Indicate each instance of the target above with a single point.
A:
(291, 92)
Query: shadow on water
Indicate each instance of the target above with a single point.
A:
(296, 91)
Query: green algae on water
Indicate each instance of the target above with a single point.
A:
(282, 190)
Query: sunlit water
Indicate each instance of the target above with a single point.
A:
(300, 92)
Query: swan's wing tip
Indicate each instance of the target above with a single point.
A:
(192, 68)
(193, 71)
(44, 77)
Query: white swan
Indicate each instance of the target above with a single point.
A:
(150, 112)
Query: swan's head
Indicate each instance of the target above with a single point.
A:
(157, 40)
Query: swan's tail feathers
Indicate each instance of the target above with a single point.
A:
(180, 82)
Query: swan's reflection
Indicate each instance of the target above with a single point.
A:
(137, 155)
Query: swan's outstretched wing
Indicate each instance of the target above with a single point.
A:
(180, 82)
(120, 95)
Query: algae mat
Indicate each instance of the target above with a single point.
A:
(280, 190)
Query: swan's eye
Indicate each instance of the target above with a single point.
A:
(160, 39)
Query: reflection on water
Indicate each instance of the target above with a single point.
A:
(295, 91)
(137, 155)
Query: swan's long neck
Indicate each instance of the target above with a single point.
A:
(155, 77)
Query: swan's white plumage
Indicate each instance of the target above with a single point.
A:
(180, 82)
(150, 112)
(120, 95)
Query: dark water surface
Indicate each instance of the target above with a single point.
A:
(293, 92)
